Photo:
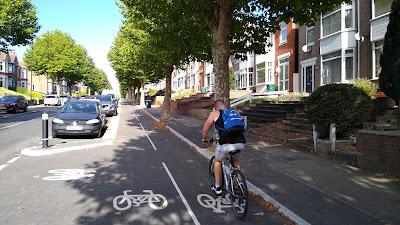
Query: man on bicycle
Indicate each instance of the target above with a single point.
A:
(227, 143)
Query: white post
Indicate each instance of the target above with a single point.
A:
(249, 98)
(332, 136)
(315, 137)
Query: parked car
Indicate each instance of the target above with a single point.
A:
(13, 103)
(52, 100)
(109, 105)
(79, 117)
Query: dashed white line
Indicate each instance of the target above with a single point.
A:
(141, 126)
(9, 162)
(154, 147)
(11, 126)
(181, 195)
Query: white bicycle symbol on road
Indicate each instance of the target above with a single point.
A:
(69, 174)
(125, 201)
(217, 204)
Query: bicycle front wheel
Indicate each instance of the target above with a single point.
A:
(211, 176)
(238, 194)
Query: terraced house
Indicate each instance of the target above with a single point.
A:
(345, 44)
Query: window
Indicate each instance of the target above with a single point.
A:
(243, 78)
(270, 69)
(208, 80)
(284, 74)
(212, 79)
(1, 66)
(1, 82)
(251, 77)
(309, 35)
(332, 22)
(331, 65)
(380, 7)
(349, 64)
(378, 50)
(261, 73)
(283, 34)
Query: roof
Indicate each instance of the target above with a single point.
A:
(22, 64)
(3, 55)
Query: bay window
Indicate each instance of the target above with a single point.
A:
(334, 71)
(380, 7)
(378, 50)
(332, 21)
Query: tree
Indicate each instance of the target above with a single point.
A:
(58, 57)
(389, 78)
(18, 23)
(235, 26)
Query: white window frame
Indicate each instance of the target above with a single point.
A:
(281, 57)
(374, 48)
(269, 72)
(373, 11)
(307, 30)
(342, 9)
(257, 72)
(281, 41)
(251, 76)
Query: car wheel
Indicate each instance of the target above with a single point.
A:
(17, 109)
(26, 108)
(54, 135)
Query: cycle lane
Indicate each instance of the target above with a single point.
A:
(130, 164)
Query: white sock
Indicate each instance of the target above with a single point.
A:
(217, 186)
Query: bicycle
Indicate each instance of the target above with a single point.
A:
(155, 201)
(234, 182)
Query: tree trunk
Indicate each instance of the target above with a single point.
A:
(220, 24)
(166, 108)
(142, 103)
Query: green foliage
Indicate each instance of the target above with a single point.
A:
(18, 23)
(160, 92)
(59, 57)
(181, 94)
(232, 79)
(389, 78)
(343, 104)
(25, 91)
(12, 88)
(365, 84)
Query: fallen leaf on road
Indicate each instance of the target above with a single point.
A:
(19, 202)
(118, 213)
(36, 176)
(20, 208)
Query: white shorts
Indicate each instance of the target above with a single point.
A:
(222, 151)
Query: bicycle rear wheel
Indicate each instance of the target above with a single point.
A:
(239, 195)
(211, 175)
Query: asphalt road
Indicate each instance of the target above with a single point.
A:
(82, 187)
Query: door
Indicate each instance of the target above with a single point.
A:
(308, 78)
(284, 74)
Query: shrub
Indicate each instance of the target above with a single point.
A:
(343, 104)
(27, 92)
(365, 84)
(12, 88)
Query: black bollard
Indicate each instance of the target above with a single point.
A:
(45, 132)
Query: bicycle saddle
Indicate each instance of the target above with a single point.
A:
(234, 152)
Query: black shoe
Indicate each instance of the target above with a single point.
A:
(216, 190)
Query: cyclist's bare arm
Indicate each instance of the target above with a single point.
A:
(209, 123)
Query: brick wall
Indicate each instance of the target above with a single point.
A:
(379, 151)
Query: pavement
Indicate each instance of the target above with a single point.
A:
(305, 184)
(305, 187)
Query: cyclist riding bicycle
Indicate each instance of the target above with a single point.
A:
(227, 142)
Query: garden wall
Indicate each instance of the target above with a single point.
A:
(379, 151)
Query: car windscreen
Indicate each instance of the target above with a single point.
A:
(112, 95)
(9, 99)
(80, 107)
(106, 98)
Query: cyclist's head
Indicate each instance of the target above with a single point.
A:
(219, 104)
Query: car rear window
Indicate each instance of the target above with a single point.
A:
(50, 96)
(104, 97)
(80, 107)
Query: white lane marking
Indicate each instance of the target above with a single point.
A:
(142, 126)
(252, 187)
(9, 162)
(13, 160)
(182, 197)
(154, 147)
(11, 126)
(133, 113)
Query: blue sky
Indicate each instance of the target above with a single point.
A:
(91, 23)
